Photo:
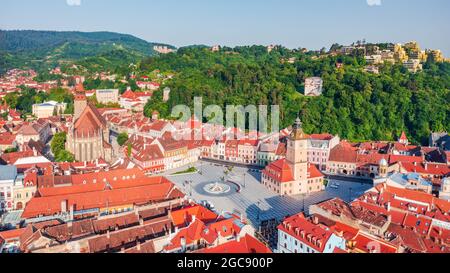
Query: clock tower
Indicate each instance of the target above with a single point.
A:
(297, 152)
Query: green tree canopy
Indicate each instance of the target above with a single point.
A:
(122, 138)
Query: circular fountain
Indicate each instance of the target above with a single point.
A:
(217, 188)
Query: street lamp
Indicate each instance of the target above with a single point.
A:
(259, 211)
(303, 200)
(350, 194)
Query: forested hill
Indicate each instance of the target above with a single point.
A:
(355, 104)
(35, 49)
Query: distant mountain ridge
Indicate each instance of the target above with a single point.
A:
(31, 48)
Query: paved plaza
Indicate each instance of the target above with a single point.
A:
(248, 197)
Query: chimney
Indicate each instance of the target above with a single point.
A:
(138, 246)
(316, 220)
(108, 235)
(34, 151)
(425, 166)
(389, 206)
(183, 244)
(64, 205)
(72, 209)
(238, 238)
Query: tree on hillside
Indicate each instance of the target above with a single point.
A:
(12, 99)
(355, 104)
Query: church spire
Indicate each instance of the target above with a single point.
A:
(297, 130)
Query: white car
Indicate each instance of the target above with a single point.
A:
(334, 186)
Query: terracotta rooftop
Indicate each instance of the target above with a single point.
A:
(308, 233)
(131, 195)
(246, 245)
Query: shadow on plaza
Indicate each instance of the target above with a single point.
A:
(278, 209)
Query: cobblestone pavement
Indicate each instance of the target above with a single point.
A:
(254, 201)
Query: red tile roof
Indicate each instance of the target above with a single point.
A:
(371, 244)
(403, 137)
(89, 122)
(308, 233)
(246, 245)
(279, 171)
(11, 158)
(10, 235)
(314, 171)
(117, 240)
(51, 205)
(184, 216)
(322, 136)
(344, 152)
(427, 168)
(7, 138)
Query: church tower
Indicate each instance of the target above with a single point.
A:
(384, 168)
(80, 101)
(297, 152)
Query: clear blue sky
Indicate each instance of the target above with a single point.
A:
(292, 23)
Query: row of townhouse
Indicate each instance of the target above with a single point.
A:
(216, 143)
(155, 155)
(16, 189)
(379, 160)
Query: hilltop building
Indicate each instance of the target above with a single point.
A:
(436, 55)
(413, 65)
(166, 94)
(313, 86)
(163, 49)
